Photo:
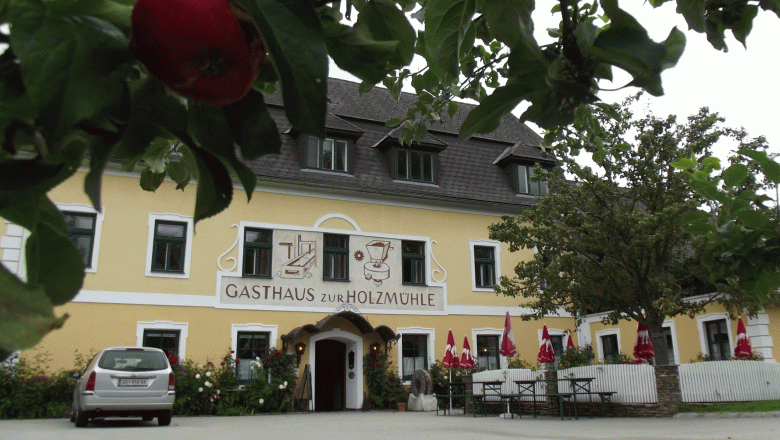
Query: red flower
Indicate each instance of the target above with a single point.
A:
(222, 364)
(389, 362)
(373, 364)
(373, 353)
(267, 358)
(277, 353)
(209, 363)
(236, 360)
(169, 352)
(231, 351)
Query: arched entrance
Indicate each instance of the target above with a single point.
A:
(337, 370)
(330, 376)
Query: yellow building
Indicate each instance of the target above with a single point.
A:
(348, 241)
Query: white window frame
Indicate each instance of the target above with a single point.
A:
(701, 320)
(600, 347)
(430, 332)
(503, 362)
(252, 327)
(153, 218)
(141, 326)
(675, 346)
(496, 245)
(87, 209)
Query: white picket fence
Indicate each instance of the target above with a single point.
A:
(724, 381)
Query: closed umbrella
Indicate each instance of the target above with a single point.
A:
(743, 348)
(451, 353)
(507, 348)
(643, 348)
(569, 343)
(546, 352)
(450, 360)
(466, 360)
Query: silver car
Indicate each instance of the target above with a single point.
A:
(125, 381)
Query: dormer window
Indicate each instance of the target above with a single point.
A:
(328, 154)
(525, 183)
(415, 165)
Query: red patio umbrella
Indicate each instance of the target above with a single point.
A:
(466, 360)
(569, 343)
(507, 348)
(546, 352)
(451, 354)
(743, 348)
(643, 349)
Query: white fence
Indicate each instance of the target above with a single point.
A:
(724, 381)
(730, 381)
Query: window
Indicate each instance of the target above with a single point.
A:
(169, 246)
(414, 352)
(257, 252)
(251, 345)
(165, 335)
(415, 165)
(557, 345)
(328, 154)
(484, 266)
(413, 255)
(488, 356)
(81, 231)
(335, 265)
(609, 346)
(526, 185)
(170, 241)
(165, 340)
(669, 345)
(717, 339)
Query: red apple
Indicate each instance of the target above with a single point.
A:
(208, 51)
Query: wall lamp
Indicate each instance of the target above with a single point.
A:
(300, 348)
(374, 349)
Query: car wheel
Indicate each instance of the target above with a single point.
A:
(164, 418)
(82, 419)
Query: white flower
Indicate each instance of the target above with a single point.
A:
(445, 377)
(257, 358)
(200, 390)
(285, 384)
(261, 401)
(281, 387)
(217, 392)
(197, 376)
(208, 373)
(207, 383)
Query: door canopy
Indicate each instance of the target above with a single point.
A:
(362, 324)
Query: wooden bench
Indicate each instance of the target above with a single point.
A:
(604, 397)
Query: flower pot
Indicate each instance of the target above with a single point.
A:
(401, 406)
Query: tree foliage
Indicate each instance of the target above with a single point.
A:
(613, 241)
(72, 91)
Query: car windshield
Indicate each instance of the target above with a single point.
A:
(131, 360)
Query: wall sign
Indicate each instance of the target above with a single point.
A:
(375, 268)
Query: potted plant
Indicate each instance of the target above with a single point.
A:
(401, 398)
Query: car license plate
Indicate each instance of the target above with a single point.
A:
(132, 382)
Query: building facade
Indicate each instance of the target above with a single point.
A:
(347, 242)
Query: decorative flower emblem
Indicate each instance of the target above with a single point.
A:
(359, 255)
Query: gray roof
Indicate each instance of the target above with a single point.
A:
(470, 171)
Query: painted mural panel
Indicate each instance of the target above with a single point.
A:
(318, 270)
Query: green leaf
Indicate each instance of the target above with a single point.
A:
(26, 314)
(215, 189)
(252, 127)
(452, 109)
(52, 260)
(735, 174)
(446, 23)
(66, 63)
(694, 13)
(150, 180)
(695, 216)
(488, 115)
(153, 114)
(626, 44)
(211, 128)
(752, 219)
(300, 55)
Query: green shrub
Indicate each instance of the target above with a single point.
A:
(27, 392)
(576, 357)
(384, 385)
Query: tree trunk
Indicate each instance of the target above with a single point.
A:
(657, 338)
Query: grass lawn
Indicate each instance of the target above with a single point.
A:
(758, 406)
